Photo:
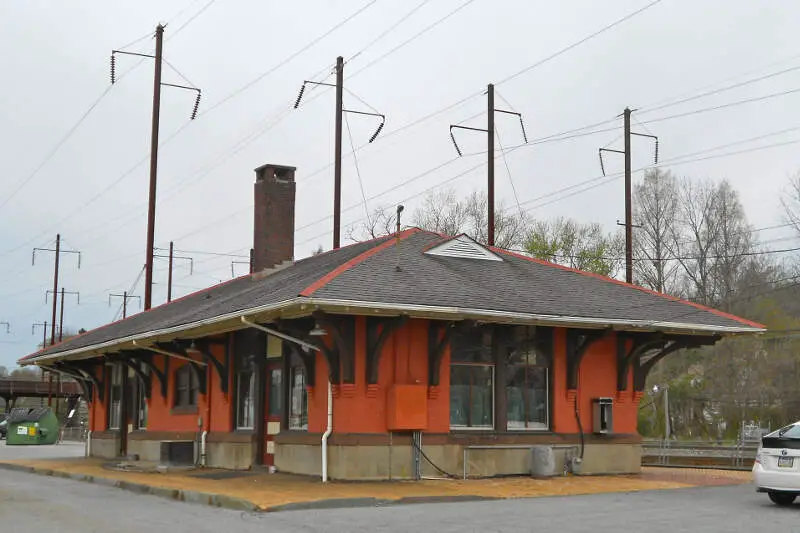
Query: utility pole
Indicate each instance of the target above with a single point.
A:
(169, 276)
(61, 319)
(337, 158)
(337, 161)
(490, 168)
(151, 207)
(626, 114)
(57, 251)
(490, 133)
(125, 297)
(171, 259)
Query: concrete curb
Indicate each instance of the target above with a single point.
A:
(189, 496)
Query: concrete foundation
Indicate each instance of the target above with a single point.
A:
(105, 446)
(382, 462)
(227, 455)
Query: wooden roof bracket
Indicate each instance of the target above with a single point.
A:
(578, 343)
(375, 341)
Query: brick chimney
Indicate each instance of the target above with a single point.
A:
(273, 234)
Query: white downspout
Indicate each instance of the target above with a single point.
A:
(328, 431)
(89, 443)
(203, 448)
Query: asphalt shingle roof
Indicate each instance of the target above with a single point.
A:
(366, 272)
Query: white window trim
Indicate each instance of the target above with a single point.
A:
(251, 426)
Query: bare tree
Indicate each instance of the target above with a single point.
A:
(655, 211)
(711, 239)
(791, 202)
(443, 212)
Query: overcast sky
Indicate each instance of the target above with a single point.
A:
(93, 189)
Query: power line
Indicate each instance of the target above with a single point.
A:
(290, 58)
(417, 35)
(580, 42)
(191, 19)
(390, 29)
(358, 171)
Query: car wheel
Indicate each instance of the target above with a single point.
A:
(782, 498)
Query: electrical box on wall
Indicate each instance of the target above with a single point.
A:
(602, 415)
(407, 408)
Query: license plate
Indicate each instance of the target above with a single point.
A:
(785, 462)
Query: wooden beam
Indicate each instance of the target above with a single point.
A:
(641, 344)
(342, 331)
(578, 343)
(222, 368)
(437, 343)
(376, 341)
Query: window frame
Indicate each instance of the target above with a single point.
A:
(191, 387)
(295, 368)
(247, 369)
(497, 344)
(114, 415)
(487, 360)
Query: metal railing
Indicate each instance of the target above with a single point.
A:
(738, 456)
(73, 434)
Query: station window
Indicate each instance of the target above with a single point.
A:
(527, 380)
(245, 395)
(298, 412)
(472, 380)
(186, 387)
(115, 397)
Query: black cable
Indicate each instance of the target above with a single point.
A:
(441, 471)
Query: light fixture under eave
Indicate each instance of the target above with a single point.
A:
(317, 331)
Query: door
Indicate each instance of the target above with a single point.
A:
(273, 410)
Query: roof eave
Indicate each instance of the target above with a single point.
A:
(303, 306)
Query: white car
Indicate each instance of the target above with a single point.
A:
(776, 470)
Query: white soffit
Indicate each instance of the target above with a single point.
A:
(465, 248)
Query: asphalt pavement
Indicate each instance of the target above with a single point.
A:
(35, 503)
(62, 450)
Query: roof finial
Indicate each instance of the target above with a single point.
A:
(397, 236)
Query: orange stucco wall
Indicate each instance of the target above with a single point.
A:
(362, 408)
(97, 407)
(214, 408)
(359, 408)
(597, 377)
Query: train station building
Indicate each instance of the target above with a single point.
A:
(397, 358)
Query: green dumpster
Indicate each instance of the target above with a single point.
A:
(32, 425)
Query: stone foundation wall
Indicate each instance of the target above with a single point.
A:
(382, 462)
(236, 454)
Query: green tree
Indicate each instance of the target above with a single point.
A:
(583, 246)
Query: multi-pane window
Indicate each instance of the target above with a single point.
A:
(186, 387)
(527, 389)
(472, 380)
(115, 397)
(275, 377)
(298, 412)
(246, 394)
(140, 400)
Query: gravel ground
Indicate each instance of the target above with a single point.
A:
(35, 503)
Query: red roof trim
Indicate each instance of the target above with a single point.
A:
(338, 271)
(717, 312)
